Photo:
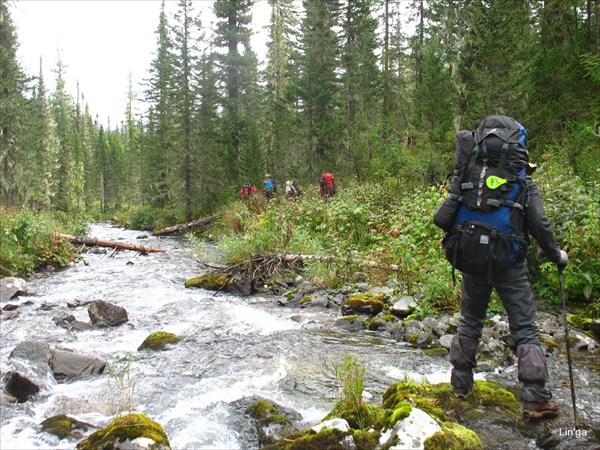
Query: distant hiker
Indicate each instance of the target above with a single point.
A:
(492, 205)
(270, 186)
(327, 185)
(291, 190)
(247, 190)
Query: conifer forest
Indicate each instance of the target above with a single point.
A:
(366, 89)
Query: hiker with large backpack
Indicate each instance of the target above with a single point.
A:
(270, 186)
(291, 189)
(491, 208)
(327, 185)
(247, 190)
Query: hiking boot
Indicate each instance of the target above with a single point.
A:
(542, 410)
(460, 393)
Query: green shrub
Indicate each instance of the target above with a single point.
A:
(29, 242)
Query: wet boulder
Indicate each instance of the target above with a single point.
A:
(130, 432)
(364, 303)
(350, 323)
(208, 281)
(270, 422)
(105, 313)
(68, 364)
(68, 322)
(159, 340)
(403, 306)
(11, 287)
(63, 426)
(19, 386)
(39, 360)
(411, 431)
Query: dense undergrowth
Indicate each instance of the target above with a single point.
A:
(389, 222)
(28, 241)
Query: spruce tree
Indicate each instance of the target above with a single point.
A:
(320, 85)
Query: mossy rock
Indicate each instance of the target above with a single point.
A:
(265, 412)
(325, 439)
(435, 399)
(368, 302)
(305, 299)
(159, 340)
(208, 281)
(64, 426)
(453, 437)
(133, 431)
(437, 352)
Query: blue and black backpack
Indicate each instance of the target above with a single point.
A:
(488, 233)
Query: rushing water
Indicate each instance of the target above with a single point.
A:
(232, 347)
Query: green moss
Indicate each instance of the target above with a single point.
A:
(209, 281)
(349, 318)
(453, 437)
(159, 340)
(389, 317)
(412, 339)
(308, 439)
(579, 321)
(124, 428)
(368, 301)
(438, 351)
(264, 411)
(435, 399)
(403, 410)
(64, 426)
(547, 341)
(361, 416)
(305, 299)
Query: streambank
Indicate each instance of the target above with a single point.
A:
(231, 348)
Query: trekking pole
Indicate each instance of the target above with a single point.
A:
(569, 362)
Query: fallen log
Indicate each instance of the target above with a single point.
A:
(290, 257)
(181, 227)
(93, 242)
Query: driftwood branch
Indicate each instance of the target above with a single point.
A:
(181, 227)
(84, 240)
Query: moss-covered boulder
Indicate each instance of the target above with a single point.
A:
(364, 303)
(159, 340)
(64, 426)
(131, 432)
(208, 281)
(453, 437)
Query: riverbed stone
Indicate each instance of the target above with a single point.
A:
(403, 306)
(68, 364)
(364, 303)
(350, 323)
(446, 340)
(64, 426)
(208, 281)
(107, 314)
(411, 431)
(11, 287)
(20, 386)
(129, 432)
(159, 340)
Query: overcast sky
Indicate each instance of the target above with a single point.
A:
(101, 42)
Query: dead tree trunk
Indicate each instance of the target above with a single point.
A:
(93, 242)
(181, 227)
(289, 257)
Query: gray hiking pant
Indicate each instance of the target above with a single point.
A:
(514, 289)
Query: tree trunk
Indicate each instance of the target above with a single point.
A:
(185, 226)
(84, 240)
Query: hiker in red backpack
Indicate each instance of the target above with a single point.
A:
(327, 185)
(247, 190)
(491, 208)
